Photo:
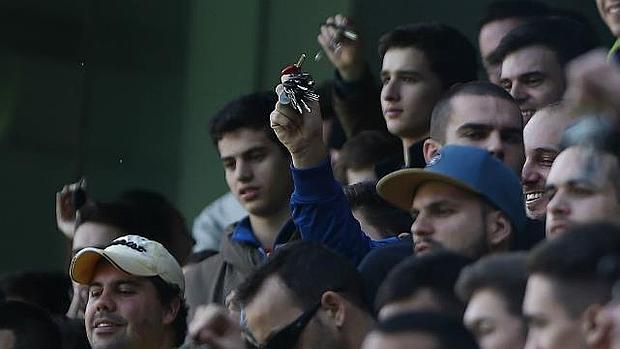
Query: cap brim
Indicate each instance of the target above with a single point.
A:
(399, 187)
(85, 261)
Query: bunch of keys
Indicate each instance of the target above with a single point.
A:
(342, 31)
(297, 87)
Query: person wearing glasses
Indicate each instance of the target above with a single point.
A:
(305, 296)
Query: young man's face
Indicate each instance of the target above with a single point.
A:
(488, 318)
(534, 77)
(541, 137)
(549, 325)
(489, 123)
(581, 188)
(410, 90)
(257, 171)
(448, 217)
(610, 13)
(123, 311)
(489, 38)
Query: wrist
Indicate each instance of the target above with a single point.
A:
(309, 157)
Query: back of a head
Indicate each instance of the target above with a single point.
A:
(250, 111)
(378, 213)
(551, 32)
(48, 290)
(572, 261)
(450, 54)
(447, 331)
(137, 212)
(308, 270)
(504, 273)
(441, 112)
(31, 326)
(505, 9)
(160, 220)
(368, 148)
(436, 272)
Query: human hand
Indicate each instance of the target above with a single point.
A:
(300, 134)
(593, 84)
(344, 53)
(66, 209)
(213, 326)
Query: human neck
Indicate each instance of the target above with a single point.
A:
(361, 325)
(266, 228)
(407, 143)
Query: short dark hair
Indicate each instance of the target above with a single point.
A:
(443, 108)
(249, 111)
(388, 219)
(48, 290)
(504, 9)
(448, 331)
(143, 213)
(308, 270)
(550, 32)
(449, 53)
(167, 293)
(571, 260)
(366, 149)
(437, 271)
(31, 325)
(505, 274)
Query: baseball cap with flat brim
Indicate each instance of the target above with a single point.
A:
(472, 169)
(132, 254)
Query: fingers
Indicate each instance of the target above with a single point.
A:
(212, 325)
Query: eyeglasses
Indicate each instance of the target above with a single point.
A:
(286, 338)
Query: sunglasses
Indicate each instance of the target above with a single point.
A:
(286, 338)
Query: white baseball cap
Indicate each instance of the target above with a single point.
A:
(132, 254)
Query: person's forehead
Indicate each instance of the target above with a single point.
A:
(536, 58)
(404, 59)
(484, 301)
(237, 142)
(544, 131)
(92, 234)
(271, 309)
(435, 192)
(577, 164)
(485, 110)
(538, 292)
(492, 33)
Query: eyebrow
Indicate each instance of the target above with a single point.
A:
(117, 283)
(402, 72)
(246, 152)
(530, 74)
(483, 127)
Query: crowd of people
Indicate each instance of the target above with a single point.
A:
(435, 210)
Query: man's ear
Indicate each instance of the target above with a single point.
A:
(499, 230)
(171, 311)
(335, 306)
(430, 148)
(596, 326)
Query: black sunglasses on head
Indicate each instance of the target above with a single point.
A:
(287, 337)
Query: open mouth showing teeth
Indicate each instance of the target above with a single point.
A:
(105, 324)
(534, 196)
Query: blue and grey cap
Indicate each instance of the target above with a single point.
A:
(469, 168)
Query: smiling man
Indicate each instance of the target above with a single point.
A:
(135, 295)
(541, 137)
(533, 57)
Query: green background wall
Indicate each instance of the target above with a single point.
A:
(135, 113)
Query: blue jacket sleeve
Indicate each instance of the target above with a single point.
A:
(321, 213)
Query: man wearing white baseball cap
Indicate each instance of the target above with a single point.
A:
(135, 296)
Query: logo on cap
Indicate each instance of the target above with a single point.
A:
(435, 159)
